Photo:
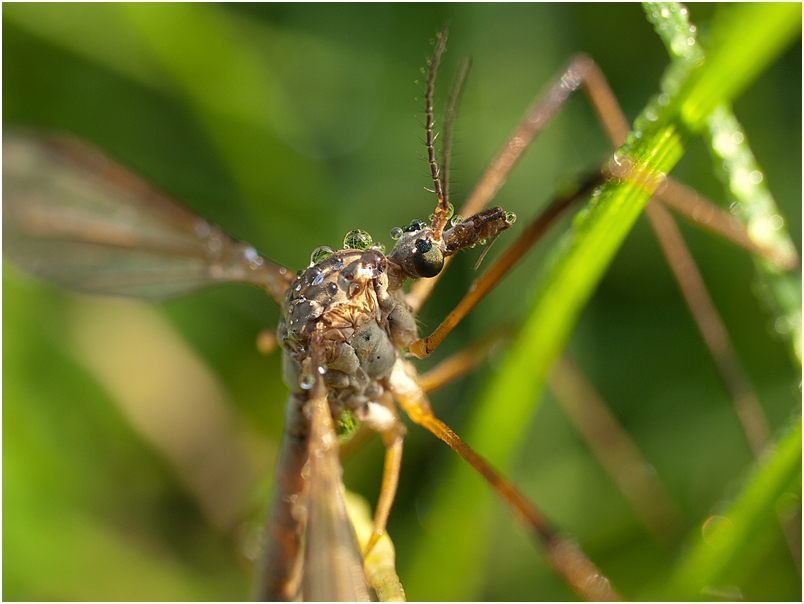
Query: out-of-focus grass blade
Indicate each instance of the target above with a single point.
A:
(745, 41)
(725, 539)
(51, 520)
(744, 182)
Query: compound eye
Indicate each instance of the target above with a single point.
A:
(428, 260)
(415, 225)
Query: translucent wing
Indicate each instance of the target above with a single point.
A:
(333, 566)
(73, 217)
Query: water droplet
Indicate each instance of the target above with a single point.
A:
(368, 271)
(318, 279)
(320, 253)
(379, 246)
(337, 264)
(600, 584)
(306, 381)
(357, 239)
(755, 177)
(663, 99)
(298, 287)
(321, 370)
(482, 241)
(432, 217)
(450, 210)
(510, 217)
(396, 233)
(737, 137)
(788, 505)
(457, 219)
(714, 527)
(775, 222)
(332, 288)
(214, 243)
(782, 325)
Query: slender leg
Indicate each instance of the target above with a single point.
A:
(460, 363)
(569, 562)
(615, 451)
(701, 212)
(711, 327)
(387, 423)
(581, 73)
(593, 419)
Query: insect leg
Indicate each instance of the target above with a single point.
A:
(382, 418)
(616, 452)
(711, 327)
(683, 266)
(580, 573)
(692, 286)
(460, 363)
(701, 212)
(598, 426)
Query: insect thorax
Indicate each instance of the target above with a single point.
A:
(345, 298)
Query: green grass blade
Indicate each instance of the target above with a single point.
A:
(724, 540)
(745, 42)
(754, 206)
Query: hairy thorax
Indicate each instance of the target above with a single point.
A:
(361, 324)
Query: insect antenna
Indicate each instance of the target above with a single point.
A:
(449, 117)
(440, 216)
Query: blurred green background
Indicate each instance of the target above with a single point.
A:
(288, 125)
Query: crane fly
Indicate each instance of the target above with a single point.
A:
(75, 218)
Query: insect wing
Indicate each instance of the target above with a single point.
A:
(74, 217)
(333, 566)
